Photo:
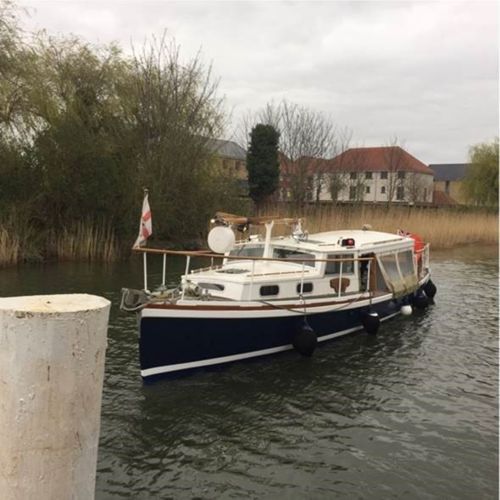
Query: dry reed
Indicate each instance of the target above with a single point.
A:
(442, 228)
(84, 240)
(9, 248)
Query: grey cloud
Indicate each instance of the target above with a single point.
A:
(426, 71)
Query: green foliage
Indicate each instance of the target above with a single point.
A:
(83, 129)
(262, 162)
(481, 181)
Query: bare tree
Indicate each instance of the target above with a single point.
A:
(307, 138)
(395, 161)
(415, 188)
(346, 173)
(338, 182)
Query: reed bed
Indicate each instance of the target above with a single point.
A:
(84, 240)
(9, 247)
(442, 228)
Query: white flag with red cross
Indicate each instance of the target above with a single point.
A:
(146, 225)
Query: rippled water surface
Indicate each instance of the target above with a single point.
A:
(411, 413)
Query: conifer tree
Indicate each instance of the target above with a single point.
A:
(263, 163)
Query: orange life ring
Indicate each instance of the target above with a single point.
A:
(419, 245)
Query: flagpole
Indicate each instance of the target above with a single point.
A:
(144, 255)
(145, 265)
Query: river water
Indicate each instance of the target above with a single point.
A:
(410, 413)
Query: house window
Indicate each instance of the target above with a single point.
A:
(269, 290)
(447, 187)
(382, 190)
(352, 193)
(353, 175)
(401, 175)
(400, 194)
(307, 288)
(367, 190)
(383, 175)
(368, 175)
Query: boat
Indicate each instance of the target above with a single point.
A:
(265, 294)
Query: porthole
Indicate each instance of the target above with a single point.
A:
(307, 288)
(269, 290)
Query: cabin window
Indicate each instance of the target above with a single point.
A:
(307, 288)
(405, 260)
(248, 251)
(390, 267)
(267, 290)
(334, 267)
(289, 254)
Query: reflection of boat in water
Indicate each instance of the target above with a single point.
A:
(262, 296)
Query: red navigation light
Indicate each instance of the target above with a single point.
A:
(348, 242)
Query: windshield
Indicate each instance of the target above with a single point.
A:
(248, 250)
(296, 255)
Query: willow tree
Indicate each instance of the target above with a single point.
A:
(176, 113)
(481, 179)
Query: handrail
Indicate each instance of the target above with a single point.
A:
(208, 254)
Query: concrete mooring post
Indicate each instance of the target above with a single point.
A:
(52, 351)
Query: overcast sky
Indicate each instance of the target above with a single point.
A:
(426, 72)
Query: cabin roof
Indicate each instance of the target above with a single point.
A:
(329, 241)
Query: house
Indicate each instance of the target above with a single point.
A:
(441, 199)
(375, 174)
(448, 178)
(232, 159)
(231, 156)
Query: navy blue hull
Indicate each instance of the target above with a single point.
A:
(190, 342)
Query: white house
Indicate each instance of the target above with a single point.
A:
(376, 174)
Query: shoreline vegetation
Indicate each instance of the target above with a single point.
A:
(441, 227)
(89, 241)
(84, 128)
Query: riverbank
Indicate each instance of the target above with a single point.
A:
(442, 228)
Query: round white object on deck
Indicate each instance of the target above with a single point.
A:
(52, 351)
(221, 239)
(406, 310)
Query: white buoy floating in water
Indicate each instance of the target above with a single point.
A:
(406, 310)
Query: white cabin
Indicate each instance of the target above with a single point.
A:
(336, 264)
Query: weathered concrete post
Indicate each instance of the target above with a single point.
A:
(52, 350)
